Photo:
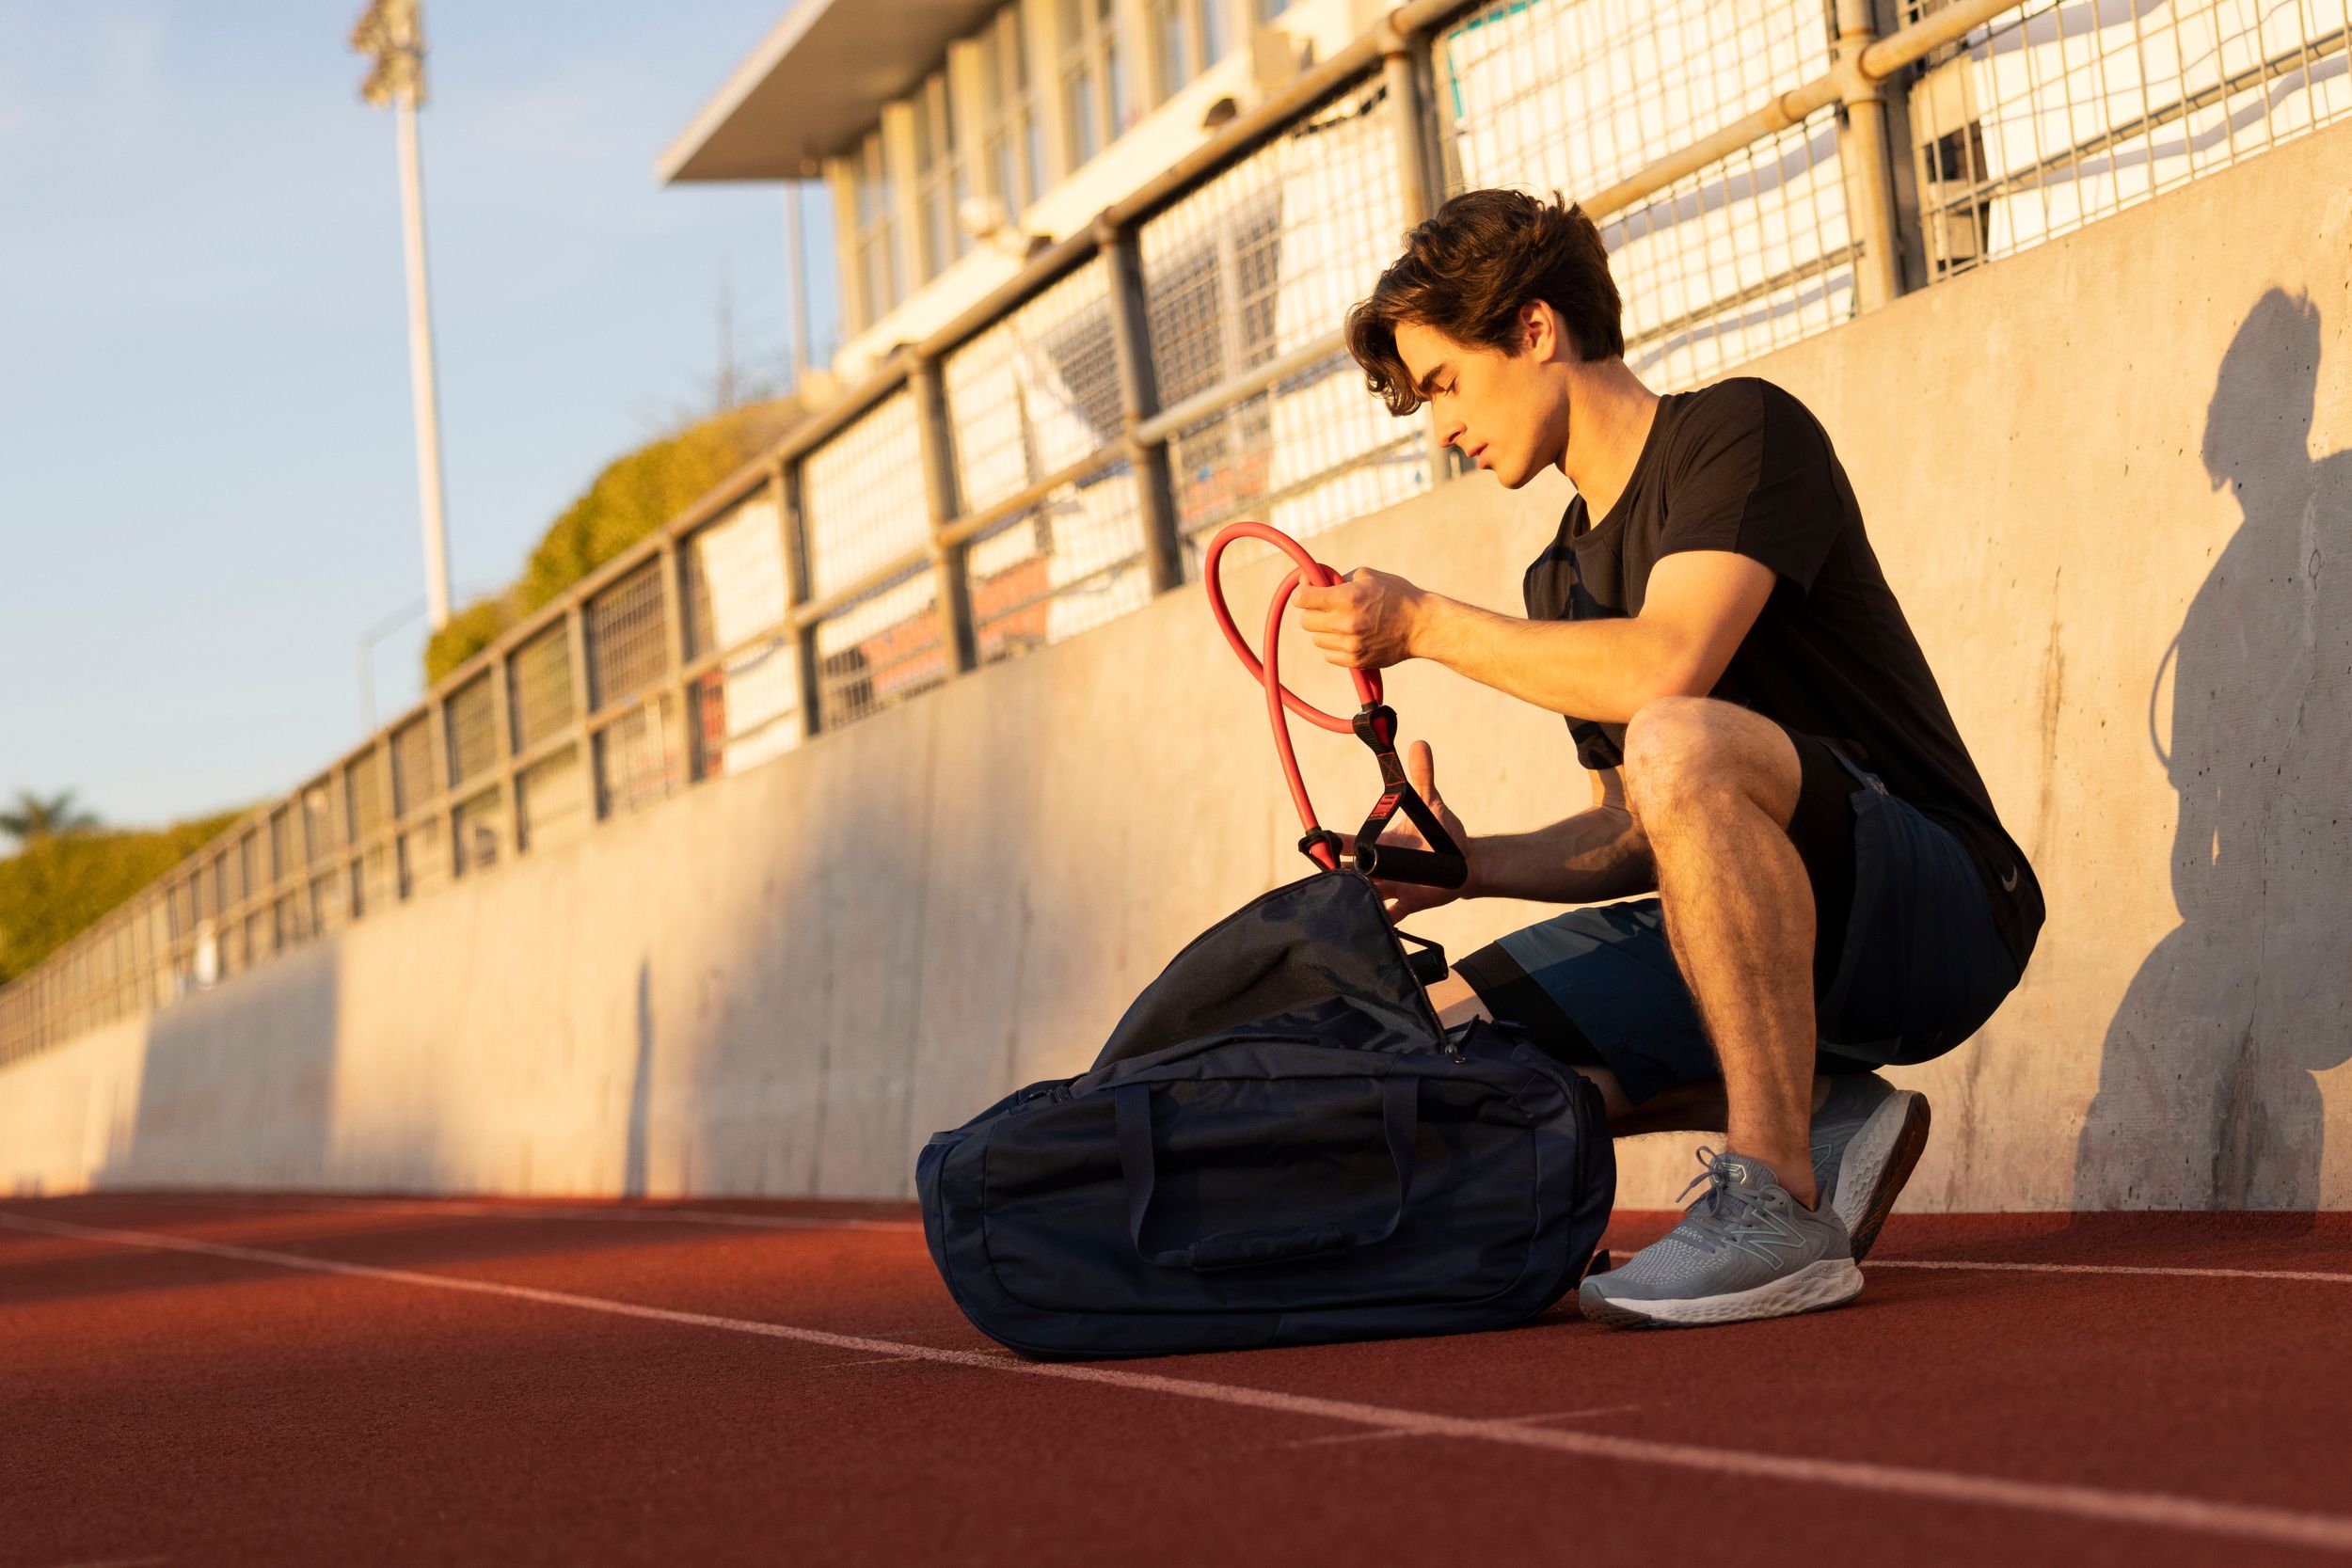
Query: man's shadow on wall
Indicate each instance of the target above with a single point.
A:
(2206, 1095)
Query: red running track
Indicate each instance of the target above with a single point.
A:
(237, 1379)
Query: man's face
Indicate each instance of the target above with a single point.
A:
(1508, 413)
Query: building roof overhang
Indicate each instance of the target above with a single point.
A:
(816, 84)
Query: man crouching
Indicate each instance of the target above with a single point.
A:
(1831, 891)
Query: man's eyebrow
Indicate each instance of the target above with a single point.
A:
(1435, 370)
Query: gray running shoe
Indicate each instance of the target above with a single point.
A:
(1867, 1138)
(1745, 1249)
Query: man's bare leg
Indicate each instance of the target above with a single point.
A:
(1715, 786)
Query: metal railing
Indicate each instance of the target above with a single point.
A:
(1051, 458)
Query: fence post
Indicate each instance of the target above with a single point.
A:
(445, 779)
(1418, 179)
(1862, 156)
(583, 708)
(785, 476)
(502, 759)
(954, 592)
(678, 733)
(1139, 400)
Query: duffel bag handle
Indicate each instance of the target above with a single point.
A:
(1131, 1105)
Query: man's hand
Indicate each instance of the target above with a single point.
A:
(1402, 900)
(1365, 623)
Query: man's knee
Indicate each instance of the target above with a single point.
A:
(1681, 751)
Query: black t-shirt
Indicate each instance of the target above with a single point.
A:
(1743, 465)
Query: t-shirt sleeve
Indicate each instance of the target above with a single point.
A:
(1750, 473)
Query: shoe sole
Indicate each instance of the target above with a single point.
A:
(1828, 1282)
(1876, 1163)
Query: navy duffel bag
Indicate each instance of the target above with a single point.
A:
(1279, 1146)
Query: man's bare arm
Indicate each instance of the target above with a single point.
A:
(1699, 605)
(1597, 854)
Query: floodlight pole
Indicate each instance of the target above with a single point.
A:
(391, 33)
(420, 367)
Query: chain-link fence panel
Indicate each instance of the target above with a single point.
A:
(552, 796)
(881, 648)
(2056, 115)
(747, 710)
(363, 785)
(862, 496)
(1742, 256)
(470, 713)
(1071, 562)
(330, 902)
(250, 876)
(629, 636)
(375, 884)
(423, 859)
(415, 783)
(322, 823)
(209, 888)
(282, 863)
(478, 824)
(539, 686)
(1036, 392)
(637, 763)
(1263, 262)
(733, 570)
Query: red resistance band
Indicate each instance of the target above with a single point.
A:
(1439, 865)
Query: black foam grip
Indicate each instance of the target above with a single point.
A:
(1394, 863)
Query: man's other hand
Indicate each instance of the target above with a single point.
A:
(1402, 900)
(1365, 623)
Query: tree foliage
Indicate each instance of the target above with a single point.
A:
(61, 882)
(629, 499)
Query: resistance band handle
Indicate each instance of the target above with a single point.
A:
(1397, 863)
(1442, 863)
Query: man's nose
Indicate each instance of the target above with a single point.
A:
(1450, 433)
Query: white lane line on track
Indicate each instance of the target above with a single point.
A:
(2114, 1268)
(2151, 1510)
(1511, 1420)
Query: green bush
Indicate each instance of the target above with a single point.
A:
(61, 883)
(633, 498)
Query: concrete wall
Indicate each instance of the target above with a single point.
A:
(2111, 479)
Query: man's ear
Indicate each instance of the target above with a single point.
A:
(1539, 329)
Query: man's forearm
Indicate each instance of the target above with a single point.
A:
(1603, 671)
(1594, 855)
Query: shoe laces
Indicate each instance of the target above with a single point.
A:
(1728, 1210)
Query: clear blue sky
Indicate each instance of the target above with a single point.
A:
(207, 468)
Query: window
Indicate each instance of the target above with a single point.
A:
(942, 179)
(1188, 38)
(1096, 106)
(882, 276)
(1013, 139)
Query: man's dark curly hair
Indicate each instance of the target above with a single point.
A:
(1466, 271)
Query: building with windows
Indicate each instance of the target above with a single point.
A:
(953, 138)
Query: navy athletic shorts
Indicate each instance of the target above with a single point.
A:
(1908, 961)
